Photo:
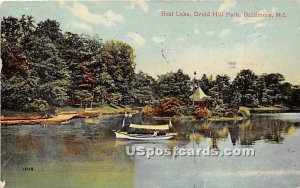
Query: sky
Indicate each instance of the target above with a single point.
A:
(211, 45)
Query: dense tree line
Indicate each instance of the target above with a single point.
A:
(44, 67)
(249, 89)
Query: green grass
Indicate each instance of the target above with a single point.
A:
(103, 109)
(271, 108)
(226, 119)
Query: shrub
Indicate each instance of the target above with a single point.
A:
(202, 113)
(39, 105)
(169, 106)
(243, 111)
(149, 111)
(185, 110)
(219, 112)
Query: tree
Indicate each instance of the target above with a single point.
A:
(50, 70)
(262, 92)
(206, 83)
(14, 33)
(285, 93)
(223, 86)
(295, 96)
(169, 106)
(246, 84)
(143, 91)
(176, 85)
(120, 65)
(49, 29)
(273, 82)
(18, 89)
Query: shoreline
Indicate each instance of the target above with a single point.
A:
(60, 118)
(64, 115)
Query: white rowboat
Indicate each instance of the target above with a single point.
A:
(125, 135)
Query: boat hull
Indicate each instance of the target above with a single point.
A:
(121, 135)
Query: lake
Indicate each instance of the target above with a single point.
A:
(85, 153)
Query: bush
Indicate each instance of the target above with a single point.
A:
(244, 112)
(39, 105)
(149, 111)
(202, 113)
(169, 106)
(219, 112)
(185, 110)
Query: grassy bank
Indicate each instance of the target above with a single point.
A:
(105, 109)
(63, 114)
(192, 118)
(273, 109)
(226, 119)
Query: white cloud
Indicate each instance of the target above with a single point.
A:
(136, 39)
(224, 33)
(196, 31)
(226, 5)
(82, 26)
(210, 33)
(108, 19)
(142, 4)
(158, 40)
(251, 20)
(263, 24)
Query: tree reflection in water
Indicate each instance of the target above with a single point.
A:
(245, 132)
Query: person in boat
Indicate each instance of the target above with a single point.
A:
(126, 122)
(155, 133)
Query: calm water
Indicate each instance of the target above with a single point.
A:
(86, 154)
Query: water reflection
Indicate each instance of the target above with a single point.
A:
(90, 145)
(242, 133)
(78, 138)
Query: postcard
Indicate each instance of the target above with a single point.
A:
(150, 94)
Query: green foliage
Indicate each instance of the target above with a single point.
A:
(176, 85)
(262, 93)
(62, 67)
(17, 93)
(143, 91)
(245, 83)
(115, 98)
(185, 110)
(222, 88)
(39, 105)
(206, 84)
(44, 67)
